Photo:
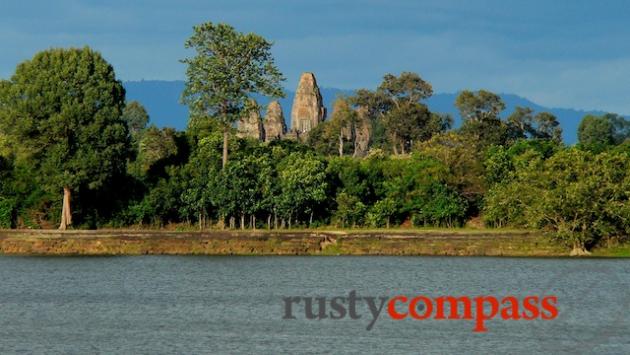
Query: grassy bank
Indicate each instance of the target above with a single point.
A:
(320, 242)
(452, 242)
(617, 251)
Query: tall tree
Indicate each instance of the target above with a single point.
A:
(522, 123)
(595, 131)
(480, 105)
(343, 120)
(229, 66)
(408, 87)
(547, 127)
(405, 123)
(302, 179)
(480, 112)
(62, 109)
(397, 105)
(136, 116)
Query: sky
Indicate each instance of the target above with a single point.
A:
(561, 53)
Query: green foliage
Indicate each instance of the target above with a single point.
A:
(479, 106)
(155, 148)
(462, 159)
(350, 210)
(480, 111)
(597, 133)
(7, 212)
(581, 196)
(398, 117)
(64, 123)
(500, 162)
(61, 114)
(547, 127)
(63, 108)
(440, 207)
(302, 180)
(498, 165)
(136, 116)
(407, 123)
(228, 67)
(381, 213)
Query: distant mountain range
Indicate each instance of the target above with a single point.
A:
(161, 99)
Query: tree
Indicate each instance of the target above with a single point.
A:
(303, 185)
(370, 107)
(598, 132)
(580, 196)
(328, 138)
(63, 110)
(343, 120)
(375, 103)
(480, 111)
(547, 127)
(350, 209)
(407, 123)
(595, 131)
(381, 212)
(621, 127)
(155, 145)
(404, 117)
(227, 69)
(136, 117)
(408, 87)
(480, 105)
(522, 123)
(461, 156)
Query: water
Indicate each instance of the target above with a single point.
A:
(160, 304)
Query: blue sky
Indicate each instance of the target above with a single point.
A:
(557, 53)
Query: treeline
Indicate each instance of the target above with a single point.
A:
(74, 152)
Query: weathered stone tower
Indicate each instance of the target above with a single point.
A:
(275, 128)
(308, 108)
(250, 125)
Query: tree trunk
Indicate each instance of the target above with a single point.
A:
(310, 220)
(226, 137)
(579, 249)
(269, 221)
(200, 221)
(66, 211)
(242, 221)
(221, 221)
(387, 222)
(340, 144)
(254, 222)
(395, 145)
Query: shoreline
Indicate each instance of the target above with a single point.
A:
(439, 242)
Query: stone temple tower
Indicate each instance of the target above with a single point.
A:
(274, 125)
(250, 125)
(308, 108)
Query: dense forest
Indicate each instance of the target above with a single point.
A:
(74, 152)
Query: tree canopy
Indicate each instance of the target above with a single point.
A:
(228, 67)
(62, 111)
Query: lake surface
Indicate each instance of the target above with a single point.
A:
(168, 304)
